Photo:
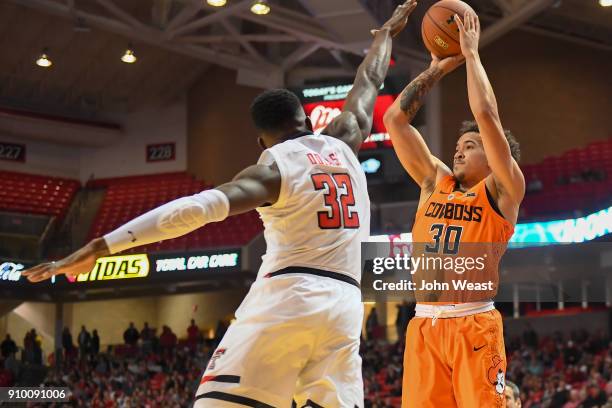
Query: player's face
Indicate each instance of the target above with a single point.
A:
(470, 161)
(510, 401)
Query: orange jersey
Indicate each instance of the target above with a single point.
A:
(454, 224)
(473, 210)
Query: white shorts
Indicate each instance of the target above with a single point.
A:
(295, 337)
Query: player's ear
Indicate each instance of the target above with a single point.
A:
(261, 142)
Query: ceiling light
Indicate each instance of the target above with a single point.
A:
(260, 7)
(43, 60)
(605, 3)
(129, 57)
(216, 3)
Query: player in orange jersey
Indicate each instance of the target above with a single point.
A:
(455, 351)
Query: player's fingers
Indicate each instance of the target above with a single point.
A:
(41, 274)
(410, 9)
(33, 270)
(467, 21)
(405, 9)
(477, 23)
(460, 25)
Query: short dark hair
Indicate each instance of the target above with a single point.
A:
(515, 147)
(515, 389)
(272, 110)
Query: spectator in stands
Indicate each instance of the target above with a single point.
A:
(534, 185)
(589, 174)
(220, 332)
(36, 347)
(27, 356)
(405, 312)
(95, 343)
(595, 398)
(561, 394)
(146, 335)
(371, 323)
(572, 354)
(8, 346)
(13, 365)
(130, 335)
(530, 337)
(84, 341)
(67, 344)
(575, 178)
(167, 340)
(574, 399)
(513, 395)
(563, 180)
(193, 334)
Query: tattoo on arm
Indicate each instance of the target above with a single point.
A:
(413, 95)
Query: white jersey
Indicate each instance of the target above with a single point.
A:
(323, 210)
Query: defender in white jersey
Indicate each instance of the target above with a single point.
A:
(296, 334)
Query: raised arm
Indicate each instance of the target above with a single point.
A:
(507, 175)
(355, 123)
(253, 187)
(408, 143)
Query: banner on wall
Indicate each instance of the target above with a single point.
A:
(158, 267)
(133, 268)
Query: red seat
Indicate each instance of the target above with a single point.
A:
(128, 197)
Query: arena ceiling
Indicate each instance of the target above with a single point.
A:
(177, 41)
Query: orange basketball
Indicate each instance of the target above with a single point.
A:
(439, 30)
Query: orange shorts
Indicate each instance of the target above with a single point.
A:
(458, 362)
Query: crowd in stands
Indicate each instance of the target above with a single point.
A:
(571, 371)
(535, 185)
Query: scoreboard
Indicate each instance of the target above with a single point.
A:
(324, 102)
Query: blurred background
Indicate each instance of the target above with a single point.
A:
(109, 109)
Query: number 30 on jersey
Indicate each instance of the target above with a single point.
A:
(339, 200)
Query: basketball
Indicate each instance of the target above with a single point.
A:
(439, 30)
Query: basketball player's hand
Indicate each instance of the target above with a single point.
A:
(81, 261)
(399, 19)
(447, 64)
(469, 33)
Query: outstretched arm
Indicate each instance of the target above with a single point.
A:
(354, 124)
(253, 187)
(507, 175)
(408, 143)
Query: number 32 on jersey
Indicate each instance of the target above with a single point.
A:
(339, 200)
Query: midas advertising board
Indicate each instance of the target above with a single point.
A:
(118, 267)
(133, 268)
(160, 266)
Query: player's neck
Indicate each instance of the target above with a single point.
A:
(295, 134)
(464, 185)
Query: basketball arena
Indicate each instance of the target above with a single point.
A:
(217, 203)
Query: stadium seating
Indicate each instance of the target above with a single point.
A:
(557, 197)
(128, 197)
(27, 193)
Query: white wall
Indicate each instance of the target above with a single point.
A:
(150, 126)
(44, 158)
(124, 158)
(112, 317)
